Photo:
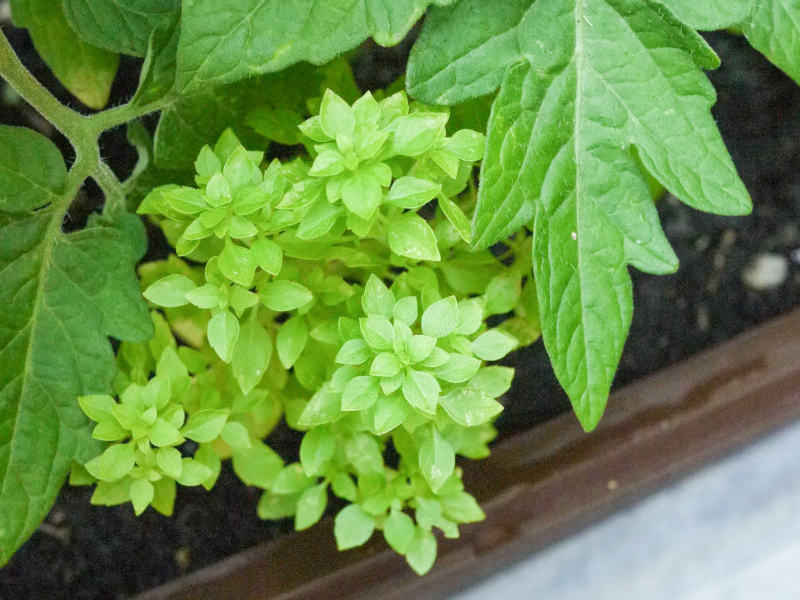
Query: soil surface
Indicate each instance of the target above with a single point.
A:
(86, 552)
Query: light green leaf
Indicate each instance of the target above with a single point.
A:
(317, 448)
(470, 316)
(283, 295)
(406, 310)
(361, 194)
(360, 393)
(385, 364)
(772, 28)
(276, 506)
(420, 347)
(257, 465)
(222, 332)
(377, 299)
(170, 291)
(268, 255)
(467, 145)
(291, 339)
(421, 551)
(470, 406)
(291, 480)
(588, 110)
(120, 26)
(237, 264)
(62, 294)
(389, 412)
(377, 331)
(206, 296)
(311, 506)
(242, 299)
(440, 318)
(412, 237)
(193, 472)
(711, 14)
(97, 406)
(502, 294)
(205, 425)
(236, 435)
(398, 529)
(164, 433)
(141, 493)
(336, 117)
(415, 134)
(168, 460)
(114, 463)
(86, 71)
(493, 345)
(495, 381)
(324, 407)
(462, 508)
(457, 218)
(208, 456)
(363, 452)
(264, 36)
(353, 352)
(352, 527)
(412, 192)
(319, 220)
(436, 460)
(32, 171)
(251, 355)
(458, 368)
(421, 390)
(342, 485)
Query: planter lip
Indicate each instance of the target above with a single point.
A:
(542, 484)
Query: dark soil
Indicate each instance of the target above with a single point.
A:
(97, 553)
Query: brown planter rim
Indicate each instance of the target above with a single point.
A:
(543, 484)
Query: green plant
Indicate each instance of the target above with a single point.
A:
(280, 303)
(292, 265)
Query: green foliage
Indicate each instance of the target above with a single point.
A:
(590, 114)
(221, 46)
(85, 70)
(123, 27)
(61, 294)
(336, 288)
(315, 289)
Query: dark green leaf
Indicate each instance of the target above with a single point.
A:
(62, 295)
(32, 171)
(84, 70)
(120, 26)
(572, 116)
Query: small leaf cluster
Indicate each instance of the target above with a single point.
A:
(168, 395)
(338, 291)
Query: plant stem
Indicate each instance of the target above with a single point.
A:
(66, 120)
(119, 115)
(82, 132)
(112, 188)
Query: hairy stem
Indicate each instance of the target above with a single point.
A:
(66, 120)
(82, 131)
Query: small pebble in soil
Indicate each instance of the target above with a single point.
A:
(765, 271)
(183, 559)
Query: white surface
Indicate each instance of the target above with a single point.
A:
(729, 532)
